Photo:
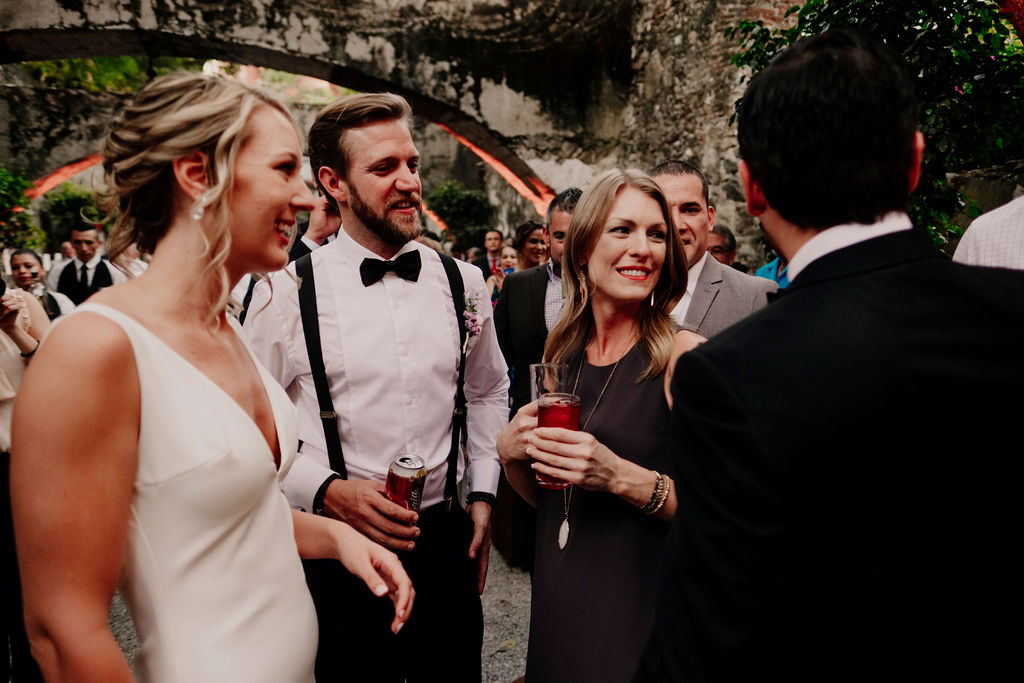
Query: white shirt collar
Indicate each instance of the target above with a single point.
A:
(355, 252)
(842, 236)
(693, 274)
(90, 264)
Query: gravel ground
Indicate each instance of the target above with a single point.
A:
(506, 603)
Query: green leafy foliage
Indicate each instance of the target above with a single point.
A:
(467, 213)
(66, 207)
(17, 229)
(107, 74)
(969, 70)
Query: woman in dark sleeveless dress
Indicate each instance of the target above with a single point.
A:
(599, 540)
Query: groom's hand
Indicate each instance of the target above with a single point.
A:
(362, 504)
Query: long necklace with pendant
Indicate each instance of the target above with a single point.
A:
(563, 529)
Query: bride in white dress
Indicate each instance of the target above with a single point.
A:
(147, 440)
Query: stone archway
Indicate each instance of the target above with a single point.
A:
(468, 66)
(556, 90)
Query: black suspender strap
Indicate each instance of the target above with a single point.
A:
(311, 330)
(458, 288)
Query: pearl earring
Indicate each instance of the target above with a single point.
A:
(199, 208)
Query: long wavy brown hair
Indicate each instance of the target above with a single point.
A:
(588, 222)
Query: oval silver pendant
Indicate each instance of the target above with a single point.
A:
(563, 534)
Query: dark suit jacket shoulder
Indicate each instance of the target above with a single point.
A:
(484, 265)
(845, 484)
(519, 322)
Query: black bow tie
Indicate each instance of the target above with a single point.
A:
(406, 266)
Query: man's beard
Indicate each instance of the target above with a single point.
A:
(388, 230)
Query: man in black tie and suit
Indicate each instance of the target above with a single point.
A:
(88, 272)
(848, 458)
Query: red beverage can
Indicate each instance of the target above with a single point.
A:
(406, 477)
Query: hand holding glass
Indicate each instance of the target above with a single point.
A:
(556, 407)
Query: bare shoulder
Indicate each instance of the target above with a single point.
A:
(86, 347)
(685, 341)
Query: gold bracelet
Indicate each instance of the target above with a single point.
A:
(664, 496)
(651, 505)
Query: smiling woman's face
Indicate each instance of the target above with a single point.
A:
(626, 261)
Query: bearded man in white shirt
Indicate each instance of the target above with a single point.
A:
(391, 347)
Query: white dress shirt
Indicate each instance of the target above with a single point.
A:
(692, 275)
(391, 353)
(116, 276)
(841, 236)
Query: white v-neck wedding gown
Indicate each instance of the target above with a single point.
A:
(211, 574)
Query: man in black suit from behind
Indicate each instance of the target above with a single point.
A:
(848, 458)
(527, 309)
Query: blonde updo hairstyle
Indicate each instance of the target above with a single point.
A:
(654, 320)
(172, 117)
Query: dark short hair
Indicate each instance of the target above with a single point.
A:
(27, 252)
(827, 130)
(677, 167)
(326, 146)
(727, 236)
(523, 231)
(565, 201)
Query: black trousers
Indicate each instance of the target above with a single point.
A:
(16, 663)
(443, 637)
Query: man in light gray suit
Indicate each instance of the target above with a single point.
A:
(717, 296)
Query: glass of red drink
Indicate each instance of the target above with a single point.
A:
(557, 409)
(547, 377)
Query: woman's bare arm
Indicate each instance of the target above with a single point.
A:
(73, 464)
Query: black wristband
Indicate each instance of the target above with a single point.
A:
(318, 499)
(480, 496)
(29, 353)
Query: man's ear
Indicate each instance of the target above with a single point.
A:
(756, 201)
(915, 166)
(333, 184)
(190, 174)
(711, 217)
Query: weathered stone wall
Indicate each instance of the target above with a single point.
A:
(556, 90)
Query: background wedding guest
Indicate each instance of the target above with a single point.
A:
(27, 269)
(599, 538)
(722, 246)
(716, 296)
(167, 436)
(507, 263)
(531, 244)
(23, 322)
(836, 521)
(490, 262)
(87, 272)
(995, 238)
